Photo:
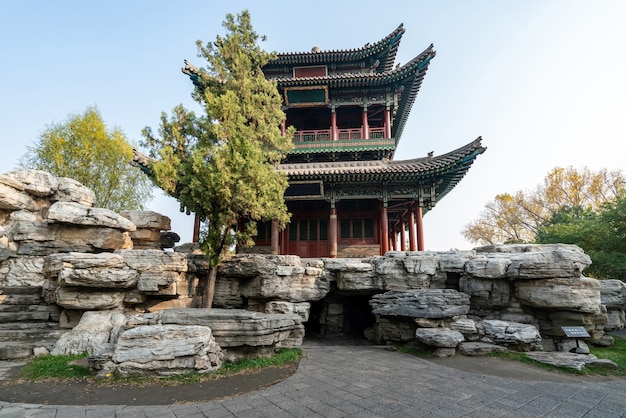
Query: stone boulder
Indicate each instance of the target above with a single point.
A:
(537, 261)
(427, 303)
(439, 337)
(613, 294)
(510, 333)
(239, 332)
(89, 299)
(163, 350)
(22, 271)
(95, 330)
(580, 294)
(39, 238)
(571, 360)
(149, 225)
(77, 214)
(473, 349)
(274, 278)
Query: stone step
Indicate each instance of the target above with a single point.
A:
(20, 299)
(17, 335)
(24, 316)
(20, 290)
(28, 325)
(30, 308)
(11, 350)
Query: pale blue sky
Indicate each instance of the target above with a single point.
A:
(542, 81)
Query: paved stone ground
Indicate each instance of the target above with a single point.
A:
(370, 381)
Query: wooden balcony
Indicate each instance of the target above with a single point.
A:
(324, 135)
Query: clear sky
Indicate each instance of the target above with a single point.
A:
(542, 81)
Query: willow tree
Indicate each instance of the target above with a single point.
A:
(83, 148)
(221, 164)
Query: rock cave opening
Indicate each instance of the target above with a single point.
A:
(340, 316)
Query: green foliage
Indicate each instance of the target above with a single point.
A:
(221, 164)
(517, 218)
(615, 353)
(282, 356)
(83, 149)
(54, 367)
(601, 233)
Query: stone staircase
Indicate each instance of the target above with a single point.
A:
(26, 322)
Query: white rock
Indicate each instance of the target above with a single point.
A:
(70, 190)
(95, 329)
(87, 299)
(148, 219)
(503, 332)
(77, 214)
(439, 337)
(569, 294)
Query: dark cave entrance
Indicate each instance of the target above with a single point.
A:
(338, 316)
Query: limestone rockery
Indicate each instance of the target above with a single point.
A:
(114, 285)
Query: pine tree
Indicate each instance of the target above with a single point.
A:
(221, 165)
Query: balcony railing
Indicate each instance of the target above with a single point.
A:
(321, 135)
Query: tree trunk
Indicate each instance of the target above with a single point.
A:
(208, 290)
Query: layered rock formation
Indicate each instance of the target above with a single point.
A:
(90, 260)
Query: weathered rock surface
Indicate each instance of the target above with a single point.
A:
(473, 349)
(428, 303)
(270, 278)
(88, 299)
(23, 271)
(613, 294)
(580, 294)
(164, 350)
(570, 360)
(509, 333)
(77, 214)
(145, 219)
(537, 261)
(150, 225)
(243, 333)
(95, 330)
(439, 337)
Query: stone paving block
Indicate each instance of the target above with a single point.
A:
(300, 411)
(69, 411)
(40, 413)
(100, 412)
(130, 413)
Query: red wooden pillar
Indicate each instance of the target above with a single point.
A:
(333, 125)
(420, 228)
(196, 228)
(284, 241)
(332, 232)
(384, 230)
(365, 123)
(412, 232)
(275, 233)
(402, 235)
(387, 116)
(283, 127)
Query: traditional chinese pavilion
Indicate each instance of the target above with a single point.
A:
(346, 194)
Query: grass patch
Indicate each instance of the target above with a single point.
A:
(54, 367)
(413, 351)
(615, 353)
(57, 367)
